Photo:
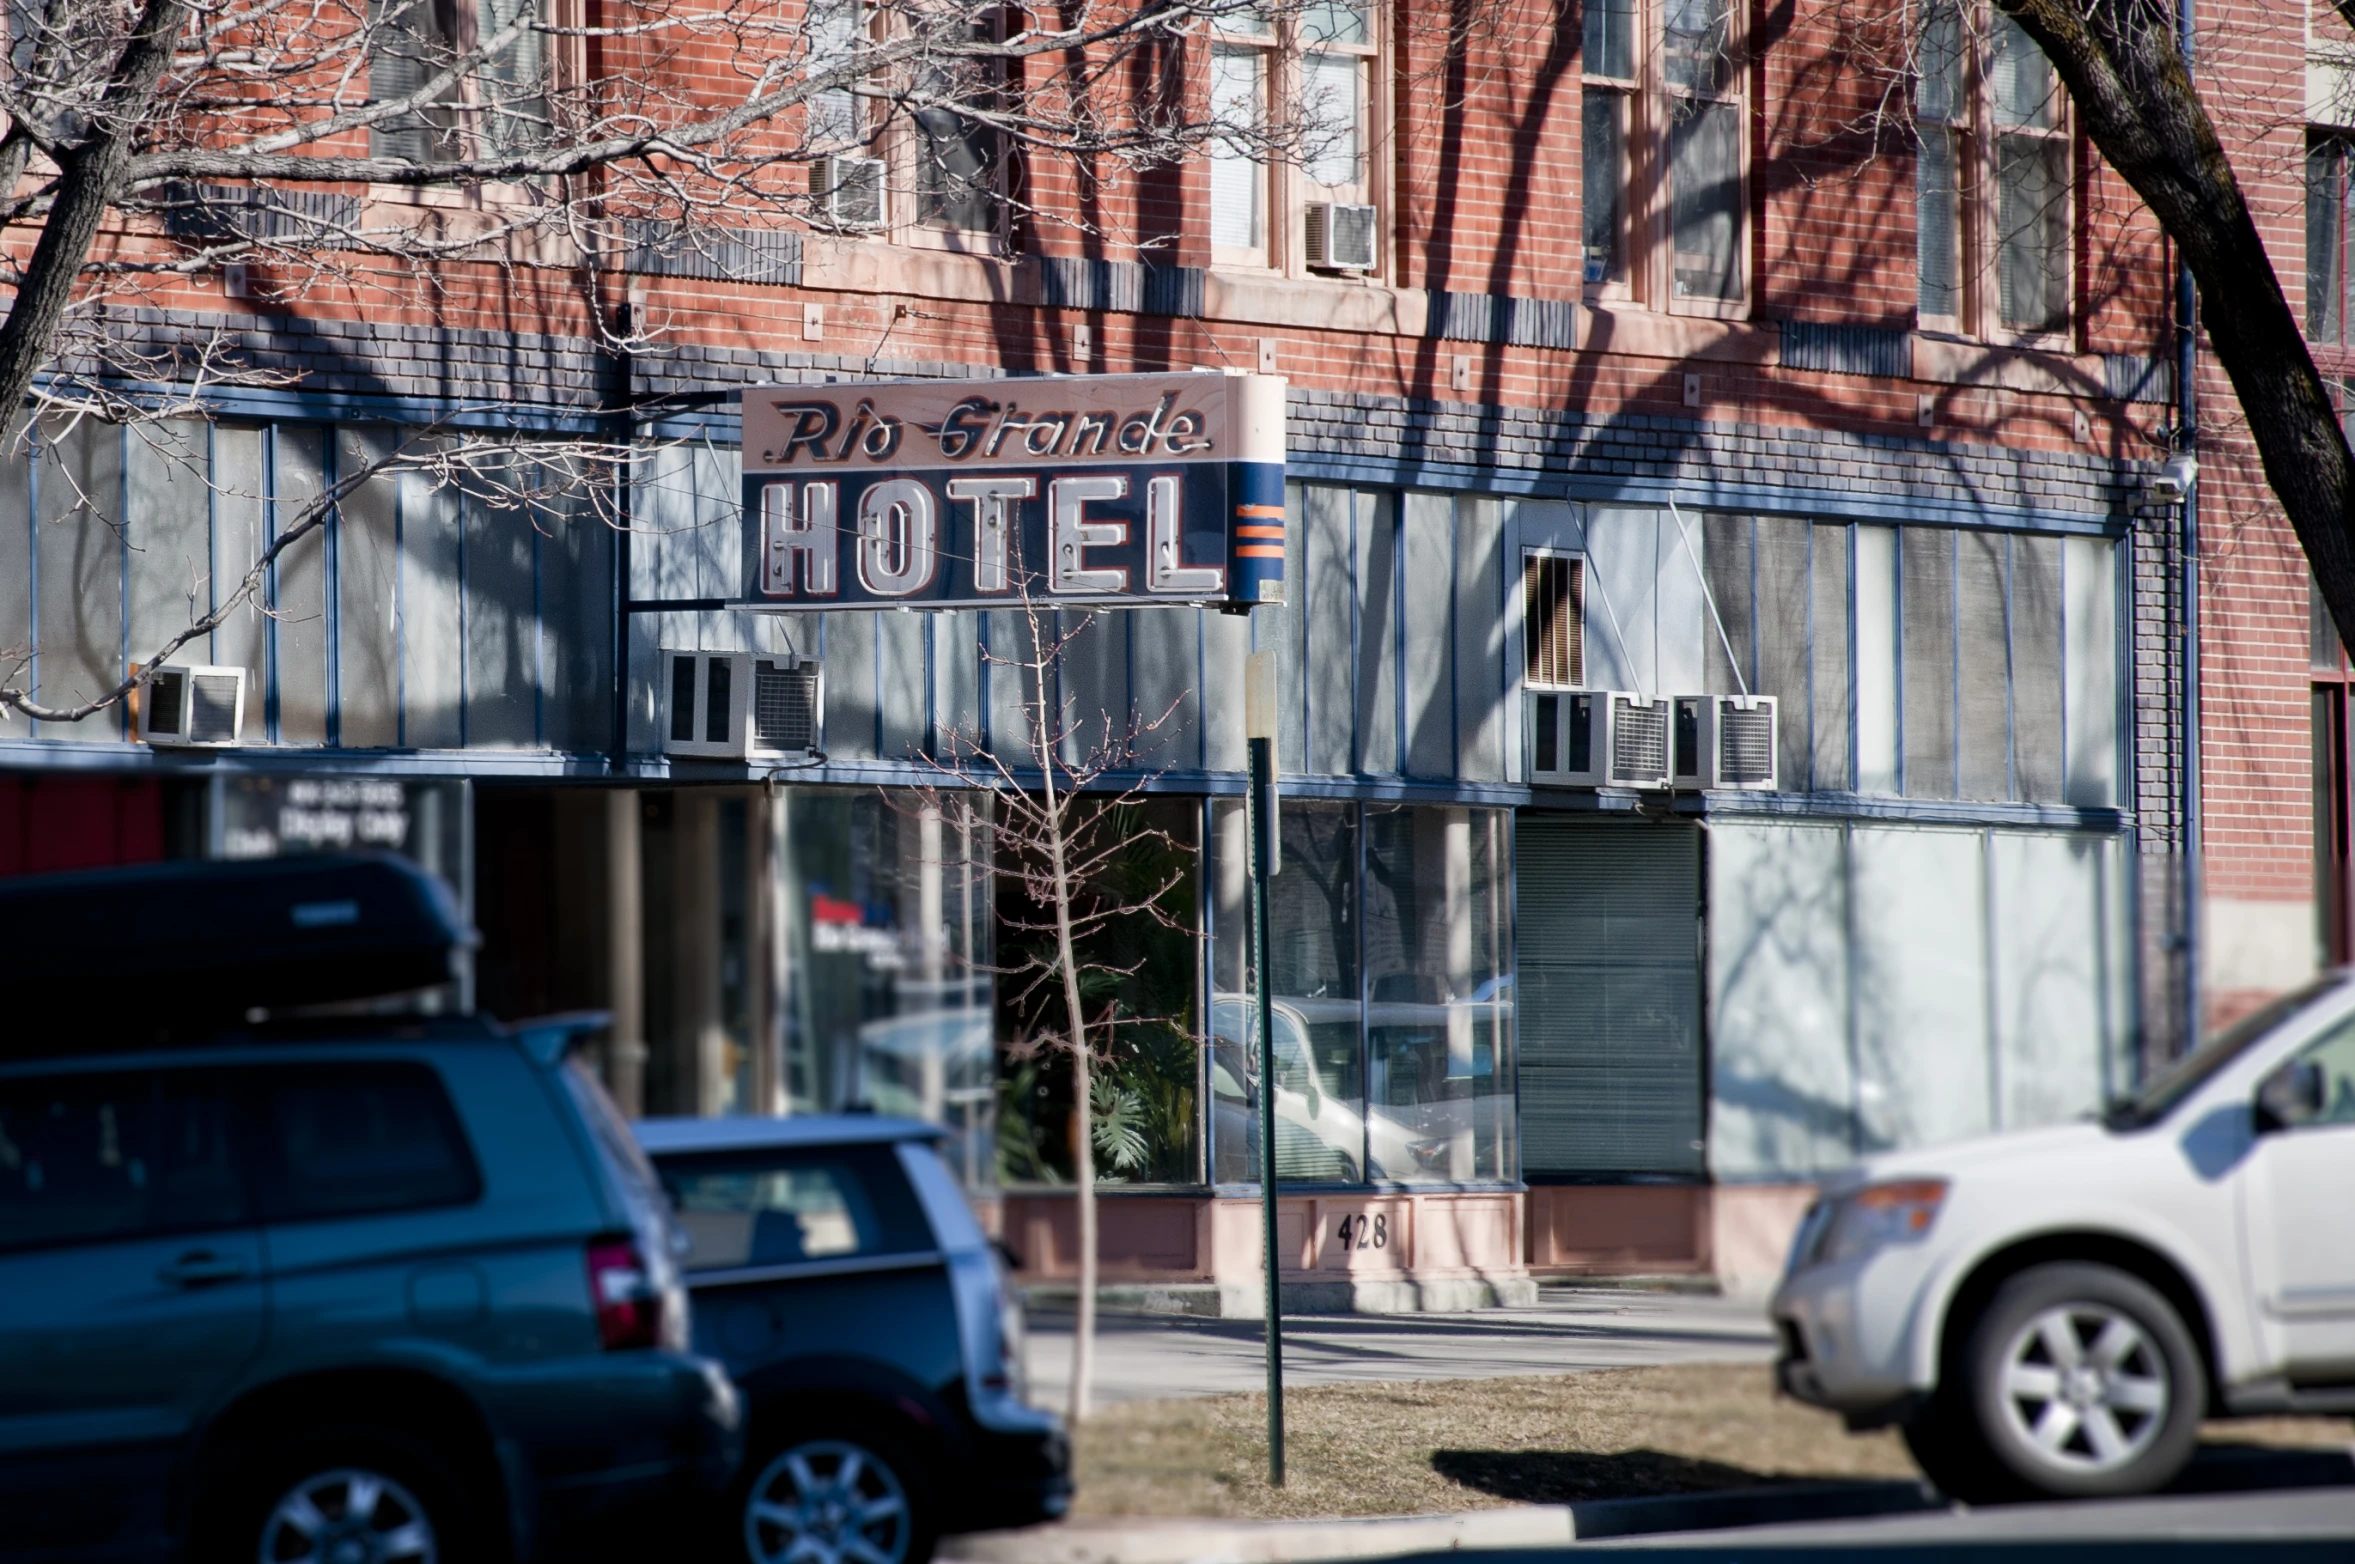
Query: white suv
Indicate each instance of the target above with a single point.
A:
(2054, 1311)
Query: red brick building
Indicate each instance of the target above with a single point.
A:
(1667, 347)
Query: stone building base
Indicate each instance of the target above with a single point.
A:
(1347, 1253)
(1737, 1234)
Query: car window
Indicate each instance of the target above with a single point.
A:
(742, 1209)
(2163, 1092)
(2334, 1051)
(357, 1140)
(608, 1128)
(90, 1158)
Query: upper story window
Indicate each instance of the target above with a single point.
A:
(1553, 619)
(1665, 157)
(2327, 170)
(936, 175)
(494, 107)
(1308, 79)
(1992, 200)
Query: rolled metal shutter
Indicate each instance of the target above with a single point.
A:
(1609, 955)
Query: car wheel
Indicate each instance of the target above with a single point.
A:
(1944, 1441)
(346, 1497)
(853, 1500)
(2083, 1381)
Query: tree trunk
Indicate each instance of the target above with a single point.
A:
(89, 177)
(2136, 99)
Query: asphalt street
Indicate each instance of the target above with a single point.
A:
(1139, 1357)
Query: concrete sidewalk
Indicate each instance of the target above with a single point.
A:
(1142, 1357)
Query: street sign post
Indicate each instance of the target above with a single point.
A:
(1259, 729)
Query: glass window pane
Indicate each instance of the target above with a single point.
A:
(1312, 949)
(2326, 223)
(957, 170)
(1705, 198)
(115, 1156)
(1610, 38)
(1438, 1018)
(1330, 116)
(1937, 197)
(2032, 260)
(1605, 187)
(1938, 88)
(1695, 35)
(744, 1209)
(1238, 181)
(2026, 96)
(831, 28)
(347, 1142)
(1335, 21)
(80, 557)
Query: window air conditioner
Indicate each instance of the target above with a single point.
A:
(740, 706)
(1340, 238)
(848, 191)
(193, 707)
(1596, 738)
(1725, 741)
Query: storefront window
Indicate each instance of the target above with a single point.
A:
(1439, 995)
(1388, 943)
(1137, 942)
(888, 992)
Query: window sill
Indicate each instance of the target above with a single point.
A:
(1953, 361)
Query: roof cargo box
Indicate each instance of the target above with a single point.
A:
(187, 942)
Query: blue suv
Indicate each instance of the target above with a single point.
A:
(395, 1291)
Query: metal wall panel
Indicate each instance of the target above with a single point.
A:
(167, 532)
(1623, 574)
(1428, 634)
(2052, 988)
(1226, 641)
(850, 686)
(1728, 659)
(1876, 659)
(1610, 996)
(81, 570)
(433, 620)
(576, 626)
(298, 462)
(1680, 606)
(1095, 681)
(1926, 616)
(1983, 675)
(900, 685)
(1331, 599)
(243, 639)
(1165, 663)
(956, 681)
(1829, 694)
(1782, 1090)
(2036, 669)
(1780, 623)
(368, 572)
(1376, 569)
(17, 572)
(2090, 715)
(1485, 721)
(502, 625)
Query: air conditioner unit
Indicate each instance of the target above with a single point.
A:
(1340, 238)
(1725, 742)
(740, 706)
(849, 191)
(1597, 738)
(200, 707)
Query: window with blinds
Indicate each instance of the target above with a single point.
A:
(2326, 241)
(1941, 112)
(1553, 619)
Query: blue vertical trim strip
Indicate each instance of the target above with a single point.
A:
(1398, 649)
(1807, 638)
(1754, 674)
(823, 742)
(212, 535)
(2061, 661)
(539, 632)
(33, 561)
(400, 610)
(2011, 704)
(1455, 672)
(1201, 706)
(122, 711)
(1357, 694)
(1954, 660)
(1897, 646)
(465, 617)
(1855, 709)
(270, 584)
(331, 616)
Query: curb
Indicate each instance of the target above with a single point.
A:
(1394, 1536)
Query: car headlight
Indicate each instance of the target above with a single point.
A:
(1878, 1215)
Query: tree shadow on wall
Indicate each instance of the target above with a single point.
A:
(1568, 1476)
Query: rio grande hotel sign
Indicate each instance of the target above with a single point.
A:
(1111, 489)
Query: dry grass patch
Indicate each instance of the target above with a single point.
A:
(1424, 1446)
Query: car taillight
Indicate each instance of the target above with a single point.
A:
(628, 1304)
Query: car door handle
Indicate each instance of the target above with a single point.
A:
(202, 1268)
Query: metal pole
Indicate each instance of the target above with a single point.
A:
(2187, 425)
(1259, 712)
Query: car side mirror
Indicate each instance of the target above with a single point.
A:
(2292, 1095)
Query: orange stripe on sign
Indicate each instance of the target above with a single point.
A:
(1272, 512)
(1260, 532)
(1258, 551)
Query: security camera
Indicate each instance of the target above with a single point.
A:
(2174, 479)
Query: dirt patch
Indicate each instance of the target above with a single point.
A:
(1424, 1446)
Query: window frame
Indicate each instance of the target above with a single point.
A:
(1980, 137)
(1287, 184)
(1531, 554)
(1268, 49)
(1647, 233)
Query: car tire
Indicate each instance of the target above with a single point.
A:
(2077, 1381)
(304, 1496)
(810, 1496)
(1943, 1439)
